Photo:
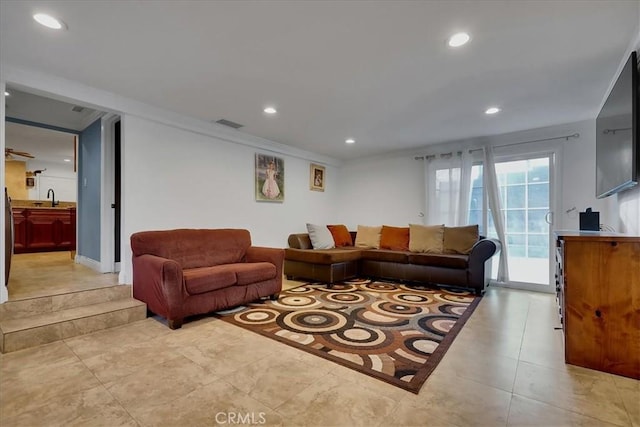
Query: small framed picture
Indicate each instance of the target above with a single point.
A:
(317, 177)
(269, 178)
(31, 182)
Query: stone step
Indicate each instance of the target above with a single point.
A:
(31, 331)
(19, 309)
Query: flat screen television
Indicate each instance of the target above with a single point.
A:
(618, 133)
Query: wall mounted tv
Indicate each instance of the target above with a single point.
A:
(618, 134)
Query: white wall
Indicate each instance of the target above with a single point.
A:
(173, 178)
(60, 177)
(391, 190)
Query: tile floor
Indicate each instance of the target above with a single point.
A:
(51, 273)
(504, 368)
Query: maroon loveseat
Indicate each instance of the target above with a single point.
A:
(179, 273)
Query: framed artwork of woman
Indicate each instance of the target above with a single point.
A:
(317, 177)
(269, 178)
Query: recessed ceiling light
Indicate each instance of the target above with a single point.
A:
(67, 160)
(270, 110)
(49, 21)
(7, 93)
(350, 141)
(492, 110)
(459, 39)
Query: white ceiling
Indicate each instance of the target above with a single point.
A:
(377, 71)
(44, 144)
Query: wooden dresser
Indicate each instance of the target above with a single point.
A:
(598, 285)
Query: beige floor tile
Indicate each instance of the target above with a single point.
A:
(486, 368)
(159, 384)
(274, 379)
(360, 380)
(29, 389)
(218, 403)
(630, 394)
(35, 357)
(100, 342)
(123, 361)
(93, 407)
(529, 412)
(590, 393)
(447, 400)
(332, 402)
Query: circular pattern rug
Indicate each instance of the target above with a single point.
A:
(394, 332)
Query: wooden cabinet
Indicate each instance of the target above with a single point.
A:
(598, 284)
(44, 230)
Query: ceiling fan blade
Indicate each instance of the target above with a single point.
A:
(10, 151)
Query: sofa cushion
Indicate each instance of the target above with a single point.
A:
(385, 255)
(426, 238)
(440, 260)
(368, 237)
(324, 256)
(320, 236)
(254, 272)
(460, 240)
(341, 235)
(394, 238)
(207, 279)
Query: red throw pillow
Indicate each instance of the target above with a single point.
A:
(394, 238)
(341, 235)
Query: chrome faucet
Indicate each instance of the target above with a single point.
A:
(53, 198)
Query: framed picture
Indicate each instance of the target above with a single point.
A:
(269, 178)
(317, 177)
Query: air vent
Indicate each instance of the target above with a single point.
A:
(77, 109)
(229, 123)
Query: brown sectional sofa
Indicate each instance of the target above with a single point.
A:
(180, 273)
(333, 265)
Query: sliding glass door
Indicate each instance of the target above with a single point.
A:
(527, 194)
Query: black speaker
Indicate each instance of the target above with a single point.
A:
(589, 221)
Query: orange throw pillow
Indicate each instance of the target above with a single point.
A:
(341, 235)
(394, 238)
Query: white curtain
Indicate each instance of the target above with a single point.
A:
(448, 189)
(493, 197)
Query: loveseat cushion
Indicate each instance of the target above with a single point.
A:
(207, 279)
(253, 272)
(440, 260)
(322, 256)
(386, 255)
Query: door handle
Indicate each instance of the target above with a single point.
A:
(548, 218)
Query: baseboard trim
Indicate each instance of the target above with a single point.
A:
(88, 262)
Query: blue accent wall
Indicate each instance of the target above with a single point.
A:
(89, 166)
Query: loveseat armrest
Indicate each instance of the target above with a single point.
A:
(262, 254)
(159, 283)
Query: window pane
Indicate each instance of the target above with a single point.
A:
(515, 197)
(538, 246)
(538, 195)
(536, 223)
(516, 220)
(539, 170)
(475, 217)
(516, 178)
(517, 250)
(476, 198)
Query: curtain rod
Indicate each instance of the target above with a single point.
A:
(565, 137)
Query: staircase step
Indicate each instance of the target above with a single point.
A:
(19, 309)
(17, 334)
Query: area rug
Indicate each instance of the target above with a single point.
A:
(394, 332)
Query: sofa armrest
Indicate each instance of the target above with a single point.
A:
(261, 254)
(479, 262)
(484, 249)
(159, 282)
